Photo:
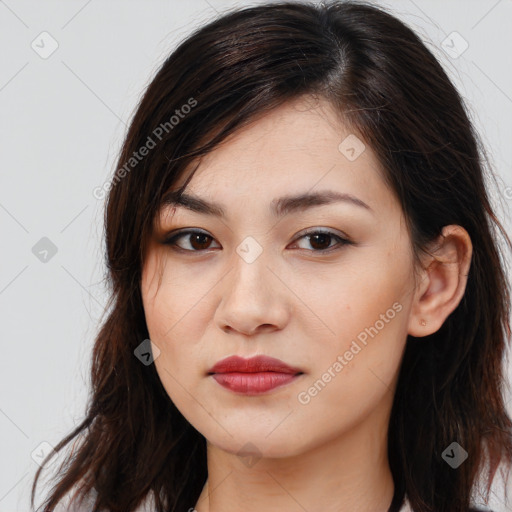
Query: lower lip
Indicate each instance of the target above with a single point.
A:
(253, 383)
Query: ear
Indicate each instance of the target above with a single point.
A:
(442, 281)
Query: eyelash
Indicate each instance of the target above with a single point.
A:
(171, 241)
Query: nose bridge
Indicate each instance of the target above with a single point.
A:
(249, 298)
(250, 261)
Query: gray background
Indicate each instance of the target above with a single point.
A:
(62, 122)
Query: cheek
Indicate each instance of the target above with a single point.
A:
(365, 310)
(360, 293)
(161, 313)
(176, 325)
(169, 296)
(176, 313)
(179, 364)
(355, 370)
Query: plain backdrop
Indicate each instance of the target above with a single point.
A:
(71, 74)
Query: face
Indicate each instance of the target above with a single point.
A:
(324, 285)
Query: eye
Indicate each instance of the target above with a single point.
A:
(200, 241)
(320, 240)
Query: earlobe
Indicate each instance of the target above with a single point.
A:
(443, 281)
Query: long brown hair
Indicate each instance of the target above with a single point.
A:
(389, 87)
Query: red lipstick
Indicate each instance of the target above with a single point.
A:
(253, 376)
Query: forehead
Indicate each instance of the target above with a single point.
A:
(300, 147)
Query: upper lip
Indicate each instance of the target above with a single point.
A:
(254, 364)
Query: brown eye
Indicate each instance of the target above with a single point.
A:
(199, 241)
(195, 240)
(320, 241)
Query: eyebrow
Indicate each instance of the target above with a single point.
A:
(278, 207)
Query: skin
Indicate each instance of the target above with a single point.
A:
(298, 302)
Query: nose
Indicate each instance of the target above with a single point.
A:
(253, 298)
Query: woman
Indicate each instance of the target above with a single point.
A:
(309, 308)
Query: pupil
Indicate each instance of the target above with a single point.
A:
(198, 237)
(314, 238)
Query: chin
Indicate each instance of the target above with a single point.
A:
(258, 445)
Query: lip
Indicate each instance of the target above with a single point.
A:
(252, 365)
(253, 376)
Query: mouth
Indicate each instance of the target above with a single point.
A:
(253, 376)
